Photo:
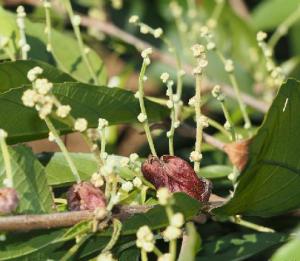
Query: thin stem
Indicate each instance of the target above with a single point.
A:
(9, 53)
(63, 149)
(47, 6)
(237, 220)
(103, 144)
(143, 109)
(7, 163)
(219, 127)
(283, 28)
(217, 11)
(157, 252)
(236, 89)
(76, 29)
(144, 256)
(117, 227)
(72, 251)
(173, 249)
(229, 120)
(173, 119)
(199, 127)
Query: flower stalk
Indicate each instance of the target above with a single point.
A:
(75, 21)
(8, 182)
(142, 117)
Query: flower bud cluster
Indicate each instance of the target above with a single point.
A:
(144, 28)
(25, 48)
(198, 51)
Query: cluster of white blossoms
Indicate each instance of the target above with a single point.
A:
(145, 239)
(276, 73)
(145, 55)
(40, 96)
(102, 124)
(173, 231)
(198, 51)
(195, 156)
(97, 180)
(164, 77)
(217, 93)
(21, 25)
(144, 28)
(127, 186)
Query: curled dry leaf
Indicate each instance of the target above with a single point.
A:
(9, 200)
(238, 153)
(177, 175)
(85, 196)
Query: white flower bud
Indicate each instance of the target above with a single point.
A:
(229, 67)
(81, 124)
(63, 111)
(76, 20)
(171, 233)
(146, 52)
(127, 186)
(142, 117)
(177, 220)
(133, 157)
(195, 156)
(137, 182)
(261, 36)
(133, 19)
(102, 123)
(164, 77)
(163, 195)
(197, 50)
(158, 32)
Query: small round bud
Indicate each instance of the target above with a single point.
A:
(142, 117)
(81, 125)
(164, 77)
(133, 19)
(195, 156)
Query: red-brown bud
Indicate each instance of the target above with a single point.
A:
(85, 196)
(9, 200)
(177, 175)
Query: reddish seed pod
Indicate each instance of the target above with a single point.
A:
(85, 196)
(9, 200)
(177, 175)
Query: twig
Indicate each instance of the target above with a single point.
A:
(64, 219)
(67, 219)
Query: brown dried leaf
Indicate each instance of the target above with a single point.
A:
(238, 153)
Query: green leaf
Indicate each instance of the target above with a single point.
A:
(87, 101)
(59, 173)
(14, 74)
(190, 245)
(215, 171)
(29, 181)
(270, 183)
(289, 251)
(24, 244)
(132, 254)
(280, 10)
(65, 48)
(235, 247)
